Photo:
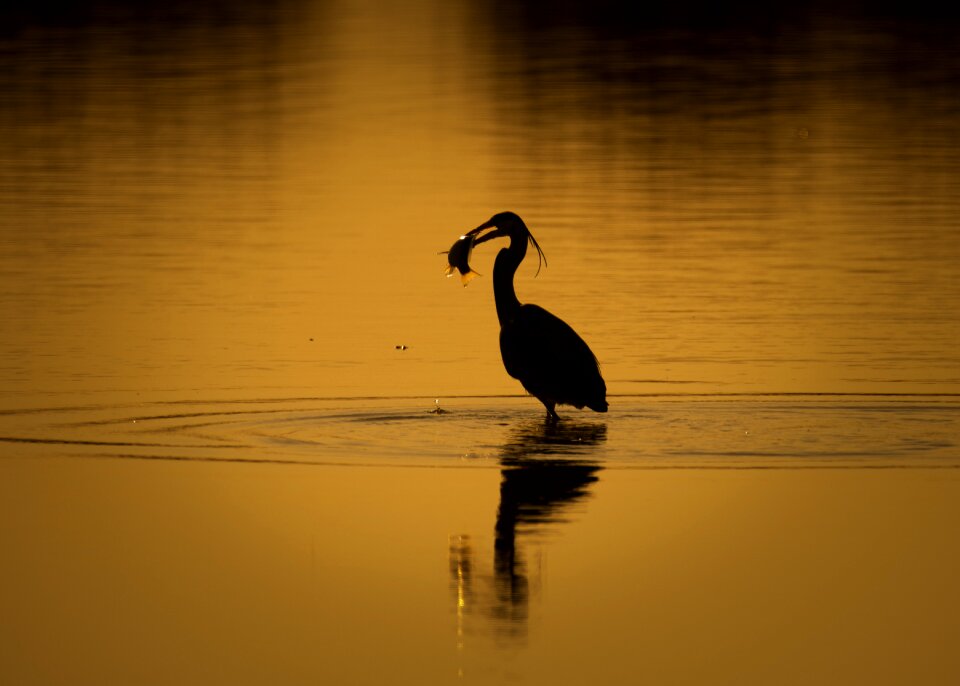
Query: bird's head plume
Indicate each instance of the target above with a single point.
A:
(508, 225)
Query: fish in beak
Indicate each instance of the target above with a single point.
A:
(458, 257)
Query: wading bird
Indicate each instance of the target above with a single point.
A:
(540, 350)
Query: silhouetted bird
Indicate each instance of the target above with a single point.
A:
(548, 357)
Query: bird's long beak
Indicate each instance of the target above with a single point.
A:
(496, 233)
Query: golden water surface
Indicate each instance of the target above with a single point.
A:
(225, 324)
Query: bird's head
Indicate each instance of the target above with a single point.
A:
(507, 225)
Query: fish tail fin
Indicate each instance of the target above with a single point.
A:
(465, 278)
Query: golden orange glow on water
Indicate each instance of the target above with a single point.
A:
(279, 229)
(249, 432)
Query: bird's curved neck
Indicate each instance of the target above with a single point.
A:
(504, 269)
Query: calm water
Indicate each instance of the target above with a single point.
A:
(227, 333)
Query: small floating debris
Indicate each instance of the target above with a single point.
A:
(401, 347)
(437, 409)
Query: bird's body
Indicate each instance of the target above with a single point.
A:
(551, 361)
(539, 349)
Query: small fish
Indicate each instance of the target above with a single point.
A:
(458, 257)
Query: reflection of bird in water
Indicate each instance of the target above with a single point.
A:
(541, 350)
(541, 477)
(545, 468)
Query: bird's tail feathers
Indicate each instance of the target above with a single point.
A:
(598, 405)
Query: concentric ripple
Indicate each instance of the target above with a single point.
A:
(639, 432)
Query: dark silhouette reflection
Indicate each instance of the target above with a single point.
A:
(547, 467)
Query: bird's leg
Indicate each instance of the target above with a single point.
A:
(552, 415)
